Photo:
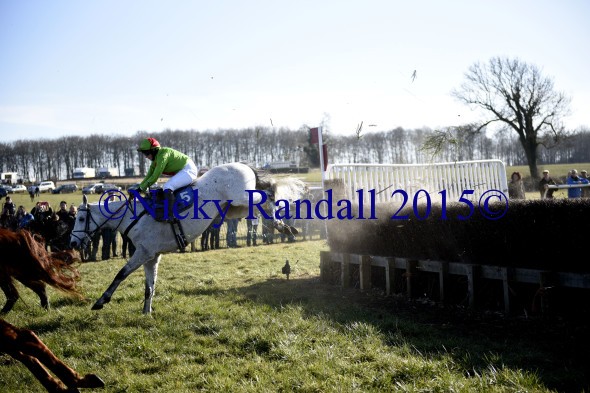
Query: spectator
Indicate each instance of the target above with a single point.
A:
(73, 211)
(572, 179)
(205, 238)
(252, 226)
(37, 192)
(63, 212)
(515, 187)
(20, 213)
(268, 231)
(127, 246)
(585, 190)
(545, 181)
(109, 240)
(32, 195)
(215, 227)
(27, 218)
(37, 210)
(232, 232)
(93, 246)
(8, 216)
(9, 208)
(42, 211)
(288, 236)
(109, 237)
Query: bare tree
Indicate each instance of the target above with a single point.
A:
(516, 94)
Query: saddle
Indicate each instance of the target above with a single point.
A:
(166, 206)
(184, 199)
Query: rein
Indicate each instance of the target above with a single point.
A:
(90, 234)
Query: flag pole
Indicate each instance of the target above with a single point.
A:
(321, 149)
(323, 172)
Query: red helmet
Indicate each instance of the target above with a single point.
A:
(148, 144)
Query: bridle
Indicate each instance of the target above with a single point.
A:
(88, 235)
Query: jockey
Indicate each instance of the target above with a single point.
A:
(166, 161)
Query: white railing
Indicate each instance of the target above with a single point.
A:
(563, 186)
(452, 178)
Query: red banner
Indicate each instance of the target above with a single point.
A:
(314, 135)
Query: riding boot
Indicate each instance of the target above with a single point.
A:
(160, 198)
(170, 202)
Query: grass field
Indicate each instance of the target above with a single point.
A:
(228, 320)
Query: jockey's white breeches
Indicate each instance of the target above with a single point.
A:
(184, 177)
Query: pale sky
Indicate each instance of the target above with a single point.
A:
(111, 66)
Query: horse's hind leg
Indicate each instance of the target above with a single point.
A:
(10, 291)
(39, 289)
(151, 274)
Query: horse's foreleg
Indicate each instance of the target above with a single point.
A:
(151, 275)
(30, 345)
(50, 383)
(132, 265)
(9, 289)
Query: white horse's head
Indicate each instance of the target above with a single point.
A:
(85, 226)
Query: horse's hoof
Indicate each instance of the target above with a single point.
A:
(91, 381)
(97, 306)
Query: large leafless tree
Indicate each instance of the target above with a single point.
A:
(519, 96)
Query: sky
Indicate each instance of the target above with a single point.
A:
(110, 66)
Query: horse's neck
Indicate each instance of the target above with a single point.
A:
(111, 218)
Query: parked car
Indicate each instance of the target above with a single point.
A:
(135, 186)
(100, 188)
(48, 186)
(3, 191)
(91, 189)
(8, 188)
(65, 188)
(19, 188)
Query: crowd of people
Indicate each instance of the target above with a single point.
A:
(516, 189)
(40, 217)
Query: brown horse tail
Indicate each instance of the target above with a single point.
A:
(56, 270)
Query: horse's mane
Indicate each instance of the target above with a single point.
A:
(25, 257)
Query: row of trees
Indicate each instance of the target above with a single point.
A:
(57, 158)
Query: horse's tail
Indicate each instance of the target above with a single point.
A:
(56, 269)
(287, 188)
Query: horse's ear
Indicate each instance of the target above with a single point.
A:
(84, 199)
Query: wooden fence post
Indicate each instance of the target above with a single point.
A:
(390, 276)
(345, 271)
(365, 272)
(472, 276)
(506, 277)
(443, 275)
(410, 273)
(324, 261)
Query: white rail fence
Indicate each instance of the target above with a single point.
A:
(451, 177)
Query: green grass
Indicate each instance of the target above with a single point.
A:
(228, 320)
(555, 170)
